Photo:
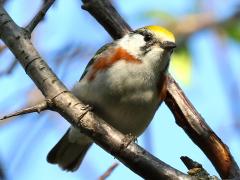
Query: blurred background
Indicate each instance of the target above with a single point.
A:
(206, 64)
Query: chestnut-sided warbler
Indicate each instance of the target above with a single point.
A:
(124, 83)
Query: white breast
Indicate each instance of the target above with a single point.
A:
(123, 96)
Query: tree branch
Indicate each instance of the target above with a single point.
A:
(132, 155)
(37, 108)
(11, 67)
(109, 18)
(194, 125)
(108, 172)
(2, 173)
(2, 48)
(189, 163)
(185, 114)
(196, 169)
(198, 22)
(40, 15)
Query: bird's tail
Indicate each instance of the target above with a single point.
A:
(68, 155)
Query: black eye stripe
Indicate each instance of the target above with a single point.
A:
(148, 37)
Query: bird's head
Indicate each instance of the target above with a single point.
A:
(150, 44)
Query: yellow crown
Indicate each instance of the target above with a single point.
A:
(161, 32)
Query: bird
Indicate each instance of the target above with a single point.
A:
(125, 83)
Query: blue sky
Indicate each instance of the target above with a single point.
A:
(25, 142)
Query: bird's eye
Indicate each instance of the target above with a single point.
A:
(148, 37)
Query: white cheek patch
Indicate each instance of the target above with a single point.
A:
(132, 43)
(154, 54)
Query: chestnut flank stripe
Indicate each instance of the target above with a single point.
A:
(105, 62)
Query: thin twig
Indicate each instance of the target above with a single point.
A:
(39, 17)
(37, 108)
(198, 22)
(196, 169)
(108, 172)
(12, 66)
(10, 69)
(189, 163)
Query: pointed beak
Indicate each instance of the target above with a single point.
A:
(168, 45)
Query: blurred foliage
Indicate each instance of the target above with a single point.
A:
(181, 65)
(161, 16)
(232, 29)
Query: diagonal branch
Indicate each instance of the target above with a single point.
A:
(196, 128)
(109, 18)
(108, 172)
(185, 114)
(132, 155)
(40, 15)
(37, 108)
(11, 68)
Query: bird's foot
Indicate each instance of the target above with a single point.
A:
(128, 139)
(87, 108)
